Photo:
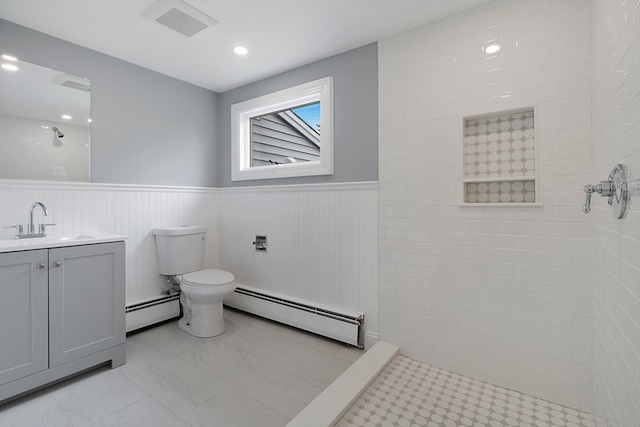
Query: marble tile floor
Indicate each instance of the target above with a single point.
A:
(258, 373)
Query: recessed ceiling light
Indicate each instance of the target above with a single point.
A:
(241, 50)
(492, 48)
(89, 120)
(10, 58)
(66, 117)
(9, 67)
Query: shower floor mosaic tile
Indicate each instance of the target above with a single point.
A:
(410, 393)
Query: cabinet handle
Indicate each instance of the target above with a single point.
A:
(57, 264)
(41, 265)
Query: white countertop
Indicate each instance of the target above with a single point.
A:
(13, 245)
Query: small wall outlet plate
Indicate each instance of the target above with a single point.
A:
(260, 243)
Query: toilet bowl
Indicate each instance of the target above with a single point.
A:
(202, 293)
(181, 252)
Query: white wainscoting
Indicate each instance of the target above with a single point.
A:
(130, 210)
(321, 243)
(322, 239)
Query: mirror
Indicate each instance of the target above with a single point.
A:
(44, 123)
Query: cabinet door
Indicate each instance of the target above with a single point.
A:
(23, 314)
(86, 300)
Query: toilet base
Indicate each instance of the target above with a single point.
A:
(206, 320)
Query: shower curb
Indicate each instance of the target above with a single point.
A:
(335, 400)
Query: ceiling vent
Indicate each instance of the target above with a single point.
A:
(74, 82)
(179, 16)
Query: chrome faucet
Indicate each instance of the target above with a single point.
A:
(31, 229)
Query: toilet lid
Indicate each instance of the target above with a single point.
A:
(208, 277)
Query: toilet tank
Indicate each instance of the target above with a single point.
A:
(180, 250)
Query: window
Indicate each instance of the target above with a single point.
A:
(284, 134)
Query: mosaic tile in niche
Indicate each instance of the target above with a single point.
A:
(505, 192)
(499, 158)
(500, 146)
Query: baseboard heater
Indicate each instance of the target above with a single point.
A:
(152, 311)
(337, 324)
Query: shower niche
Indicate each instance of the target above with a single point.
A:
(499, 159)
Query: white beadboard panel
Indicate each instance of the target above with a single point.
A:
(322, 238)
(129, 210)
(616, 249)
(500, 294)
(321, 243)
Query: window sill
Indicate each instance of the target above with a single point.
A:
(282, 171)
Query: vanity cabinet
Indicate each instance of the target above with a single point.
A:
(24, 314)
(62, 311)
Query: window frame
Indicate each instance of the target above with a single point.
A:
(241, 113)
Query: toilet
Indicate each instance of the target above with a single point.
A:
(180, 254)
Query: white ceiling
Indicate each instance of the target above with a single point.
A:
(280, 34)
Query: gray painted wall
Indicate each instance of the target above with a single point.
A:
(355, 82)
(147, 128)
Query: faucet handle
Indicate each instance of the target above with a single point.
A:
(42, 230)
(615, 188)
(19, 229)
(589, 190)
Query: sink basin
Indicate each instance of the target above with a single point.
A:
(69, 238)
(11, 245)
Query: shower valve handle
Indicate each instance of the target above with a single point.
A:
(605, 189)
(615, 188)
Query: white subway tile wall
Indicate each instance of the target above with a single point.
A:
(500, 294)
(616, 250)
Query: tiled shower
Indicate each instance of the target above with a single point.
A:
(532, 296)
(538, 298)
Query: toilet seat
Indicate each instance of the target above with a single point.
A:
(207, 278)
